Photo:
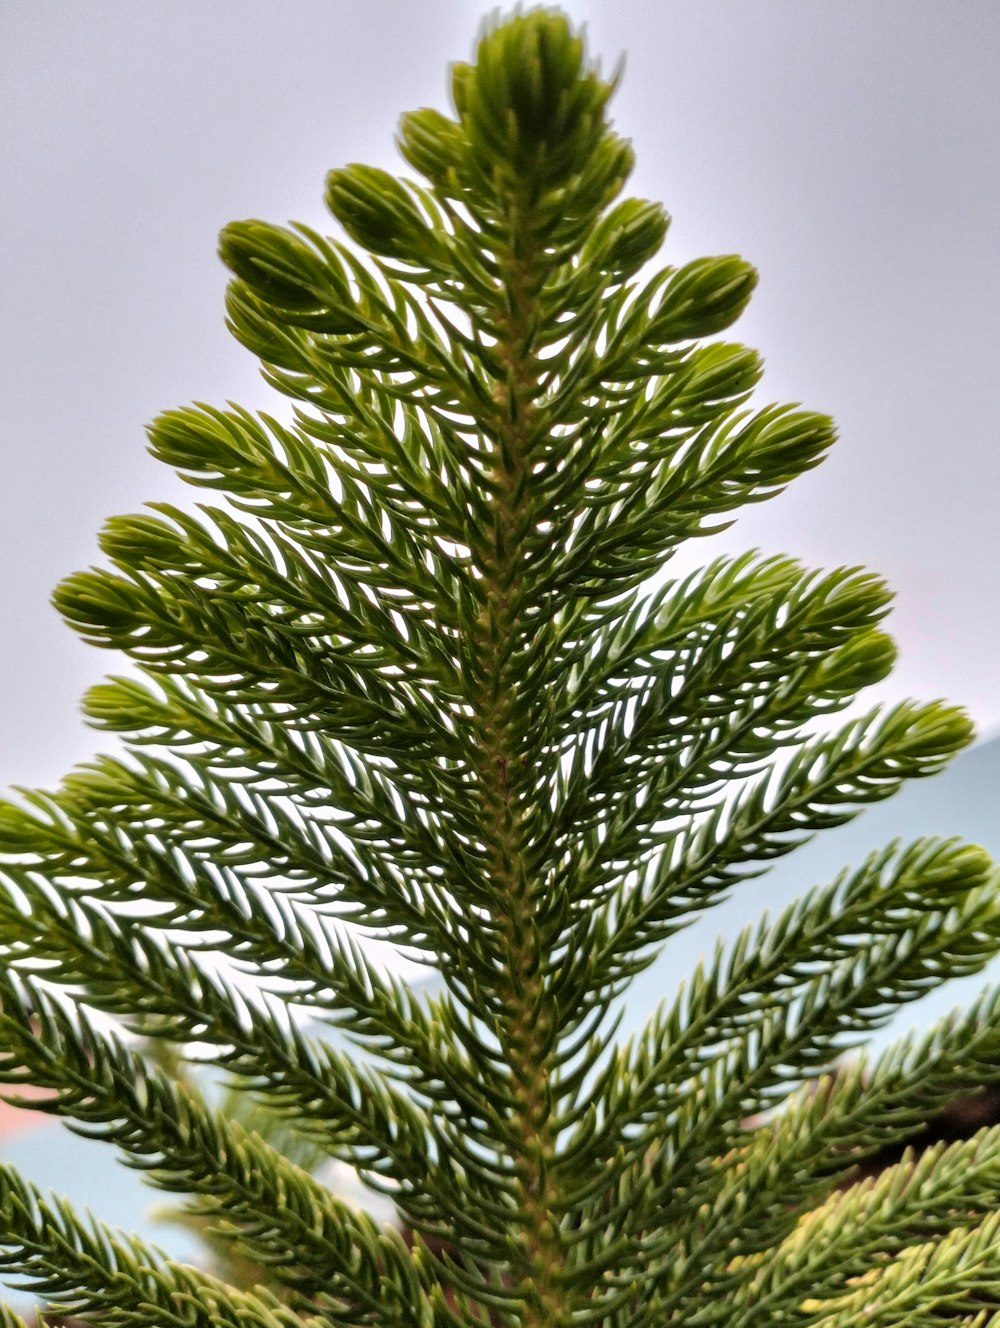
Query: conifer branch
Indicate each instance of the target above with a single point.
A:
(85, 1267)
(278, 1214)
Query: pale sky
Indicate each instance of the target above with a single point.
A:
(849, 149)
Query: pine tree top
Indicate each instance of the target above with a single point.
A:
(413, 677)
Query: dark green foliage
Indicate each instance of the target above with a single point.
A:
(414, 677)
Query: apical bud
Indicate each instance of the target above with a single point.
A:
(719, 372)
(288, 275)
(431, 143)
(628, 236)
(531, 101)
(375, 210)
(701, 298)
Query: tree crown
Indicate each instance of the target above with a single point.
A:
(413, 678)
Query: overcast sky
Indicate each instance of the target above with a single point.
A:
(849, 149)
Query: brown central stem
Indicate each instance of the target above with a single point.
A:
(504, 800)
